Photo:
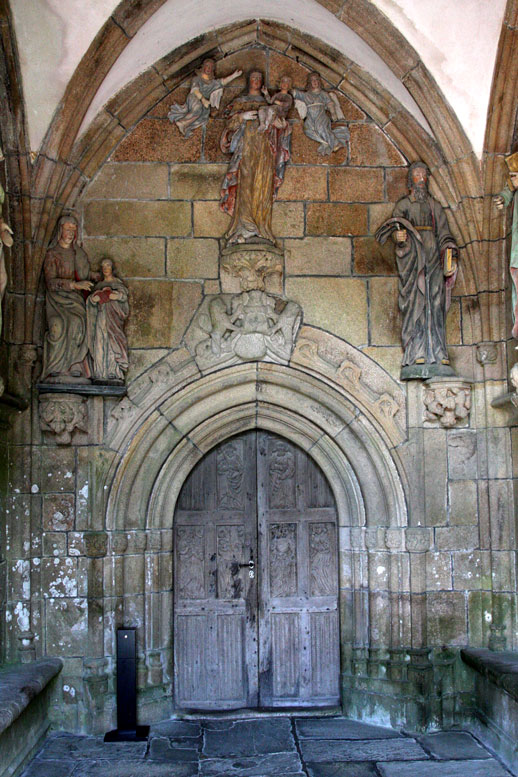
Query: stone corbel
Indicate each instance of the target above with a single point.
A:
(62, 414)
(447, 402)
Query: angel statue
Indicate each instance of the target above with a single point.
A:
(206, 92)
(317, 108)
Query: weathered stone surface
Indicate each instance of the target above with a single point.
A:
(55, 768)
(361, 750)
(362, 184)
(462, 455)
(479, 768)
(57, 469)
(385, 321)
(342, 769)
(134, 257)
(304, 183)
(370, 146)
(318, 256)
(446, 619)
(126, 768)
(463, 502)
(130, 181)
(157, 140)
(371, 258)
(69, 745)
(288, 219)
(196, 182)
(454, 745)
(160, 312)
(209, 220)
(341, 728)
(59, 577)
(176, 729)
(247, 738)
(337, 305)
(274, 764)
(192, 258)
(336, 219)
(179, 750)
(112, 218)
(66, 626)
(58, 512)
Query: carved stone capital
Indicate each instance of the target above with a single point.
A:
(251, 266)
(447, 402)
(62, 414)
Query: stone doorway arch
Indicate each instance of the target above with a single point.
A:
(158, 446)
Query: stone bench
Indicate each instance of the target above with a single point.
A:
(496, 699)
(24, 702)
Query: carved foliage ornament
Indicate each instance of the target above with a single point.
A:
(62, 414)
(447, 402)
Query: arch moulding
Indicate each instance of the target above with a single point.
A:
(154, 459)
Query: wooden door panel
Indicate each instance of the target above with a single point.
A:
(256, 495)
(215, 615)
(298, 627)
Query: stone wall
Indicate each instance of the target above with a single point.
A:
(429, 569)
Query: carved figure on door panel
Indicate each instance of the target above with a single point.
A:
(230, 476)
(321, 559)
(190, 560)
(282, 471)
(283, 559)
(230, 553)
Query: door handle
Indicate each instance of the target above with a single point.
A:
(250, 565)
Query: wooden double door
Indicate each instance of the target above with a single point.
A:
(256, 580)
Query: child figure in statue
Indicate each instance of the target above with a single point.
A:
(279, 105)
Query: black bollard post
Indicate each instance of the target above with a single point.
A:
(127, 729)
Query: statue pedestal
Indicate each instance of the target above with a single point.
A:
(447, 402)
(249, 266)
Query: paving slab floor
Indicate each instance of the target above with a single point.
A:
(276, 746)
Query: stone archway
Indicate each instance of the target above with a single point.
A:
(158, 450)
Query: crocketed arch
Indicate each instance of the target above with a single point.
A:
(360, 468)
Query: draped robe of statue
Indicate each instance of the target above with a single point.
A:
(65, 350)
(194, 114)
(107, 340)
(511, 196)
(319, 108)
(424, 291)
(255, 171)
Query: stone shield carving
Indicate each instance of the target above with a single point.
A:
(250, 326)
